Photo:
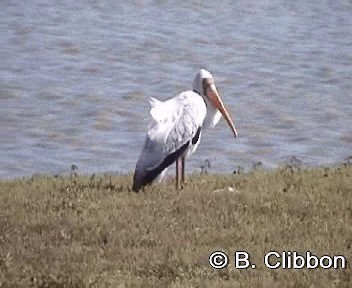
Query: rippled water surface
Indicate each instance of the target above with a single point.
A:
(76, 76)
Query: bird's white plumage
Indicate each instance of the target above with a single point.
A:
(175, 122)
(175, 130)
(213, 114)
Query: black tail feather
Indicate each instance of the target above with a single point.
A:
(143, 178)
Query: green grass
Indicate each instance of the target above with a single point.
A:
(83, 232)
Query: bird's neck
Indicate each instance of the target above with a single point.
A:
(213, 115)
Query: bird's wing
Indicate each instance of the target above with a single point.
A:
(175, 122)
(164, 112)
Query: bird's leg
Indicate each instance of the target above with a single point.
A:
(183, 171)
(177, 172)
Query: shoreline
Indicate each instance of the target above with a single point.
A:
(293, 161)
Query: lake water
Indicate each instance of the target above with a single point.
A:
(75, 77)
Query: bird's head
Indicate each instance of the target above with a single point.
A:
(204, 85)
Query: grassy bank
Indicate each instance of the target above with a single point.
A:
(94, 232)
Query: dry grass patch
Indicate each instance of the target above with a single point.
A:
(94, 232)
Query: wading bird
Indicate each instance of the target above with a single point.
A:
(176, 129)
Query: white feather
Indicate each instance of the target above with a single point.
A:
(174, 123)
(156, 109)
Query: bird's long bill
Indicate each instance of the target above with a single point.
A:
(215, 99)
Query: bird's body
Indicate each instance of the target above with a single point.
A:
(175, 130)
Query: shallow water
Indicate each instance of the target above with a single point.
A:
(75, 79)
